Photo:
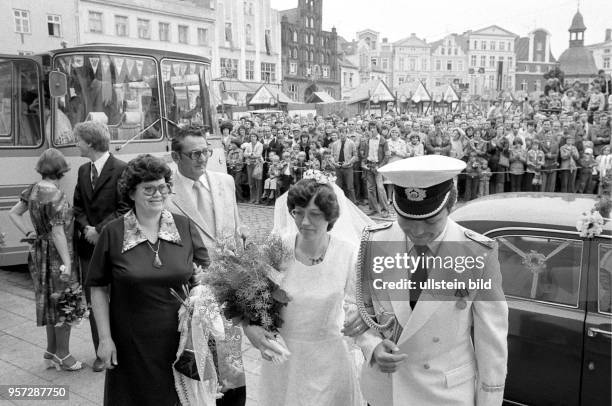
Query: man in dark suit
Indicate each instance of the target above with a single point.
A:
(96, 200)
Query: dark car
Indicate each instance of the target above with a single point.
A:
(557, 284)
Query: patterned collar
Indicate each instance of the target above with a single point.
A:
(134, 235)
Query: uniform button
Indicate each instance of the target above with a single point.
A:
(426, 366)
(436, 339)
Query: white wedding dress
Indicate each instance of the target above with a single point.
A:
(323, 366)
(321, 369)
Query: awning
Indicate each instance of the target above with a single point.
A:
(229, 100)
(376, 91)
(268, 96)
(320, 97)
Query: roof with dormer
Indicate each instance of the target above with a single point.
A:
(460, 40)
(521, 47)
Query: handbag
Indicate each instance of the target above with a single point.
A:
(186, 365)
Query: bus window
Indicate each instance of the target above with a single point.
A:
(118, 90)
(19, 104)
(184, 88)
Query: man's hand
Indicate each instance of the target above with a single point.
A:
(260, 339)
(386, 358)
(107, 352)
(91, 235)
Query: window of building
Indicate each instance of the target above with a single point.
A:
(345, 79)
(492, 43)
(54, 23)
(202, 36)
(311, 39)
(510, 62)
(95, 22)
(473, 60)
(228, 32)
(229, 68)
(459, 66)
(268, 41)
(483, 61)
(325, 71)
(412, 64)
(606, 62)
(268, 72)
(374, 62)
(442, 51)
(501, 59)
(164, 32)
(183, 34)
(438, 64)
(449, 65)
(483, 45)
(294, 53)
(424, 64)
(456, 51)
(502, 46)
(249, 72)
(295, 36)
(491, 81)
(22, 21)
(475, 44)
(312, 24)
(293, 68)
(401, 64)
(491, 62)
(351, 79)
(539, 46)
(385, 63)
(607, 51)
(293, 92)
(524, 86)
(122, 26)
(248, 33)
(144, 29)
(311, 56)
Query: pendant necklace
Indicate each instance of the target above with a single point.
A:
(156, 261)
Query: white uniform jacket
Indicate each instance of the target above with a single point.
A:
(445, 366)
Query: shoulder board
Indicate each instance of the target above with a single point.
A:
(379, 226)
(479, 238)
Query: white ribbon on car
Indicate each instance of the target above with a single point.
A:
(537, 266)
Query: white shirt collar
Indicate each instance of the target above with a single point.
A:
(100, 162)
(190, 182)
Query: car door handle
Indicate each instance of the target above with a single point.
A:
(592, 332)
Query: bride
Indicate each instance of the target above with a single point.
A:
(315, 219)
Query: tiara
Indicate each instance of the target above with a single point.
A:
(320, 177)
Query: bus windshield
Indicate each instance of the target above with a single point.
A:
(123, 91)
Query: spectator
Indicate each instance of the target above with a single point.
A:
(569, 159)
(518, 159)
(271, 183)
(345, 153)
(397, 151)
(235, 164)
(254, 164)
(585, 172)
(375, 153)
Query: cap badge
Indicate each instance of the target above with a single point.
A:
(415, 194)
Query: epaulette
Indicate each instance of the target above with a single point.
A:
(379, 226)
(479, 238)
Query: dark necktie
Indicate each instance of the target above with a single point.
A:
(420, 275)
(341, 156)
(94, 175)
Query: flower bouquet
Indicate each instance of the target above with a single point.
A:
(590, 224)
(247, 283)
(72, 305)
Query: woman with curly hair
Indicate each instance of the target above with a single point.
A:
(140, 256)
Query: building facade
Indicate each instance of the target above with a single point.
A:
(449, 61)
(32, 26)
(350, 80)
(492, 58)
(533, 59)
(309, 54)
(602, 52)
(411, 61)
(248, 51)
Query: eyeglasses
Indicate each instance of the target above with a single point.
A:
(163, 189)
(198, 154)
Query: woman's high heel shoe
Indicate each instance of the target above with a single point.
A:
(58, 363)
(48, 358)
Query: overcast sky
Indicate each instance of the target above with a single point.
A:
(433, 19)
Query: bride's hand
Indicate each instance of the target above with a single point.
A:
(260, 338)
(354, 325)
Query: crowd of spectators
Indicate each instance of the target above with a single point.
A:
(558, 143)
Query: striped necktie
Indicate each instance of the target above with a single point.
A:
(94, 176)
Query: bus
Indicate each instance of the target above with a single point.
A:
(142, 95)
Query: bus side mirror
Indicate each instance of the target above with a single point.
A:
(58, 85)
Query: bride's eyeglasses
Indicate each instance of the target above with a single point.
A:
(313, 216)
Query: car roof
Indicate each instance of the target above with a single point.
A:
(121, 49)
(550, 210)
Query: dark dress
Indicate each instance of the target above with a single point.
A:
(143, 313)
(49, 207)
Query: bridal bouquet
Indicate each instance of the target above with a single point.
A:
(247, 283)
(590, 224)
(72, 306)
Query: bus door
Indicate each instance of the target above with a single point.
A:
(21, 143)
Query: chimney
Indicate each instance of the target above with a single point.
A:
(608, 34)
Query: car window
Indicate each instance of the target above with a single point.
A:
(605, 278)
(541, 268)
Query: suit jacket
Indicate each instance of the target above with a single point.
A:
(383, 150)
(444, 365)
(99, 206)
(350, 151)
(227, 220)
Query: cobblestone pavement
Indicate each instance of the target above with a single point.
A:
(22, 343)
